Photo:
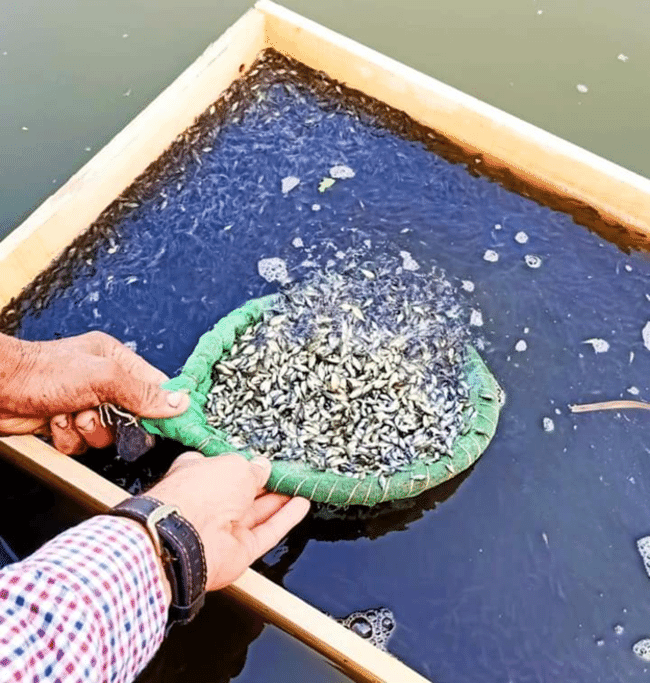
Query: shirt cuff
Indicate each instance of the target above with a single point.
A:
(105, 591)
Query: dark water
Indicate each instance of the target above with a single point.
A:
(523, 572)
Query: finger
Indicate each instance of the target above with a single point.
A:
(89, 426)
(102, 344)
(148, 399)
(65, 437)
(261, 470)
(266, 506)
(275, 528)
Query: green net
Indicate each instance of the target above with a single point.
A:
(295, 478)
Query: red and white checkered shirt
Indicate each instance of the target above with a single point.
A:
(87, 606)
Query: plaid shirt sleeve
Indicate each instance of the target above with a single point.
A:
(87, 606)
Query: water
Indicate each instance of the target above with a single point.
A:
(527, 570)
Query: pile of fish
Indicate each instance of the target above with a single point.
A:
(357, 370)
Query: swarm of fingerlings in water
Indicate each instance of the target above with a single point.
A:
(357, 371)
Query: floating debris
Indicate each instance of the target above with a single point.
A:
(521, 237)
(375, 625)
(491, 256)
(467, 285)
(619, 629)
(533, 261)
(341, 172)
(127, 93)
(408, 262)
(642, 649)
(581, 87)
(353, 375)
(598, 345)
(498, 226)
(548, 424)
(521, 346)
(633, 390)
(622, 57)
(289, 183)
(315, 207)
(24, 128)
(273, 270)
(325, 183)
(298, 243)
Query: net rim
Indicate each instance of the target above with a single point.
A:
(298, 479)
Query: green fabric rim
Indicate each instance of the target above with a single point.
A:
(292, 478)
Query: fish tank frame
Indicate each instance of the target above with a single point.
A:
(604, 197)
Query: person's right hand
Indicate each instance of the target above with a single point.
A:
(224, 498)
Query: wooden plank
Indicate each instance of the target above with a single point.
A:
(541, 159)
(352, 654)
(45, 233)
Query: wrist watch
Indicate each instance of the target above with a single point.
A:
(179, 546)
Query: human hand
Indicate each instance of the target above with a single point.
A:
(54, 388)
(224, 499)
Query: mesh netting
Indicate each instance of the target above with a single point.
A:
(298, 478)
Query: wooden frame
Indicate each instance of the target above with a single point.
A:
(543, 161)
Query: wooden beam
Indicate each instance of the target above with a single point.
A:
(355, 656)
(30, 248)
(541, 159)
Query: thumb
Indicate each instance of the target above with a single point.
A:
(146, 399)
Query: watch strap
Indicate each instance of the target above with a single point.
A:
(181, 551)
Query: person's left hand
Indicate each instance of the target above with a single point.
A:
(56, 387)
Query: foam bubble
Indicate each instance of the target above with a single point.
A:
(273, 270)
(341, 172)
(408, 262)
(491, 256)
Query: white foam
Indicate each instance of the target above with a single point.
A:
(298, 243)
(521, 345)
(599, 345)
(645, 333)
(476, 318)
(341, 172)
(467, 285)
(642, 649)
(273, 270)
(521, 237)
(533, 261)
(289, 183)
(491, 256)
(408, 262)
(548, 424)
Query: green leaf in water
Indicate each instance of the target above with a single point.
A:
(325, 183)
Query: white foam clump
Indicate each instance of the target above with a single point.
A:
(341, 172)
(467, 285)
(491, 256)
(645, 333)
(408, 262)
(642, 649)
(521, 237)
(476, 318)
(548, 424)
(521, 346)
(622, 57)
(581, 87)
(533, 261)
(633, 390)
(599, 345)
(643, 546)
(273, 270)
(298, 243)
(133, 345)
(289, 183)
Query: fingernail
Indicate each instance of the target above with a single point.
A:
(261, 461)
(61, 421)
(88, 425)
(175, 399)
